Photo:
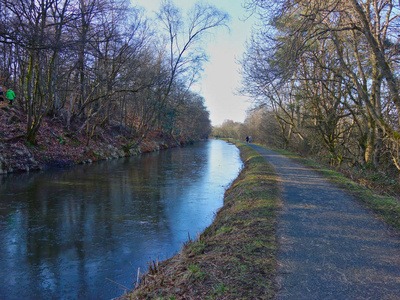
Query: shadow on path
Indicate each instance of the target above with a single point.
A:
(330, 246)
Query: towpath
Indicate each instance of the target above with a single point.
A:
(330, 247)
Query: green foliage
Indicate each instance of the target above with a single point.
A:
(61, 139)
(221, 289)
(196, 272)
(30, 144)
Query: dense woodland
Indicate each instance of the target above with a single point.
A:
(324, 75)
(325, 78)
(103, 63)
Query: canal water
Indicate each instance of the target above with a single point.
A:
(82, 233)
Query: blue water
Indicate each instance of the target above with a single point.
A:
(82, 233)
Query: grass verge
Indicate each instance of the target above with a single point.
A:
(385, 207)
(235, 257)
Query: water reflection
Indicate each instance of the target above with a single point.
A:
(73, 233)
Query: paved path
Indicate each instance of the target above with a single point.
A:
(330, 246)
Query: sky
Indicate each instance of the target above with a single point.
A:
(221, 79)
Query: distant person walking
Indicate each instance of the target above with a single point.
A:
(10, 96)
(247, 139)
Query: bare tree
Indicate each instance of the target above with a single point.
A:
(185, 52)
(91, 63)
(348, 83)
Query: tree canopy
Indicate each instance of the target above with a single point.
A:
(328, 71)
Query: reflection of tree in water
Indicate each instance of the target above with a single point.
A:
(77, 227)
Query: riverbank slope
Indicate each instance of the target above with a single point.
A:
(58, 148)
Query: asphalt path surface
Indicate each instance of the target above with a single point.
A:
(330, 247)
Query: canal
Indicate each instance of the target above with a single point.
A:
(83, 232)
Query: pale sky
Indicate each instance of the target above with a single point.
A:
(220, 79)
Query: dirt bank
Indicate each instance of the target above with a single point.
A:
(56, 148)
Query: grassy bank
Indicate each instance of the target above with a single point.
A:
(235, 256)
